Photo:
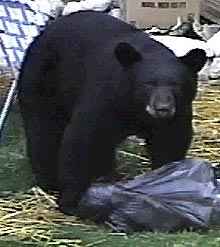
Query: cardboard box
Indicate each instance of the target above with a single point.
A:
(161, 13)
(210, 9)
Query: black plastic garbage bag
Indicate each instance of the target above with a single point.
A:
(180, 195)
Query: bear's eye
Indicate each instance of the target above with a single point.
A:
(150, 83)
(149, 86)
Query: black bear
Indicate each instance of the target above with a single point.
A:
(89, 81)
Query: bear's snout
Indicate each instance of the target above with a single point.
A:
(161, 104)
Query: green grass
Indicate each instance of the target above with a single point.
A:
(15, 176)
(15, 172)
(102, 237)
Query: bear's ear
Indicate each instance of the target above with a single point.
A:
(127, 54)
(195, 59)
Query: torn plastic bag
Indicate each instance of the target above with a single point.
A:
(180, 195)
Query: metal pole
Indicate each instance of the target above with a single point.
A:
(10, 94)
(7, 105)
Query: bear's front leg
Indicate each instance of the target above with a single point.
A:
(87, 152)
(75, 161)
(171, 141)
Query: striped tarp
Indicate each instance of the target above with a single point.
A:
(20, 22)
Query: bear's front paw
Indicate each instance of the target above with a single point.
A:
(68, 204)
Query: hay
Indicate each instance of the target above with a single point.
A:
(206, 120)
(5, 83)
(33, 218)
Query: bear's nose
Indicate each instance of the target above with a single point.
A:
(162, 110)
(165, 110)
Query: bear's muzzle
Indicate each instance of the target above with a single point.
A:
(162, 104)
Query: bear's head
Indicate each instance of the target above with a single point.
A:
(163, 84)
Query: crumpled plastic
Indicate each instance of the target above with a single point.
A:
(112, 7)
(182, 45)
(213, 43)
(97, 5)
(178, 196)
